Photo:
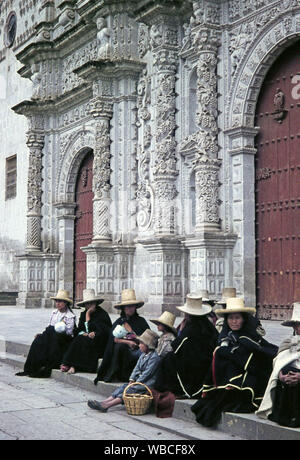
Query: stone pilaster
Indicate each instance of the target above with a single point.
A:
(66, 220)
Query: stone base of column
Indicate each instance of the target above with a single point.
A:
(210, 262)
(109, 271)
(167, 284)
(38, 280)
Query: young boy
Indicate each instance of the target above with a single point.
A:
(144, 372)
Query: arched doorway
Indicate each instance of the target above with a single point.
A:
(277, 188)
(83, 230)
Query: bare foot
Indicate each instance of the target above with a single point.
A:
(71, 370)
(64, 368)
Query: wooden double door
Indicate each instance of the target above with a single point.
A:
(83, 229)
(278, 188)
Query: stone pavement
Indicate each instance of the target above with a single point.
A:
(17, 329)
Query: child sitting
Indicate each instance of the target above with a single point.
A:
(144, 372)
(165, 325)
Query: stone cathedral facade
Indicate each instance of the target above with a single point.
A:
(163, 95)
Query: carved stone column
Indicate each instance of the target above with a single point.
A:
(206, 162)
(35, 142)
(164, 45)
(102, 111)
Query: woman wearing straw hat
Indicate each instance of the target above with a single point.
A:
(182, 371)
(122, 351)
(92, 336)
(241, 366)
(281, 402)
(144, 372)
(48, 348)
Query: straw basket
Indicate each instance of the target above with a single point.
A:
(135, 403)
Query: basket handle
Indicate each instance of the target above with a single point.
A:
(137, 383)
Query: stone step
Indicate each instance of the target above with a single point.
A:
(232, 426)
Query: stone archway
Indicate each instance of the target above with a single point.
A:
(74, 147)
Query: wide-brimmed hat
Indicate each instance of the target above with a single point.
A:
(235, 305)
(227, 293)
(203, 293)
(194, 306)
(295, 316)
(62, 295)
(128, 298)
(89, 296)
(149, 338)
(166, 319)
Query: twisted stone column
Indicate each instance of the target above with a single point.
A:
(35, 142)
(165, 55)
(206, 163)
(102, 111)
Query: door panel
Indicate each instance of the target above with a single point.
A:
(83, 222)
(278, 188)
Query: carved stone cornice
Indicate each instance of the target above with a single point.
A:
(116, 68)
(150, 12)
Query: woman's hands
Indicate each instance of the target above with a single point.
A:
(130, 343)
(292, 378)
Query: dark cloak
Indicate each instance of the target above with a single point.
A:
(46, 353)
(238, 375)
(119, 359)
(182, 370)
(286, 403)
(84, 352)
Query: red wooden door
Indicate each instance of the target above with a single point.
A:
(278, 188)
(83, 222)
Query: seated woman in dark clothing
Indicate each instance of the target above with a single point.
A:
(182, 370)
(122, 352)
(91, 338)
(281, 402)
(48, 348)
(241, 367)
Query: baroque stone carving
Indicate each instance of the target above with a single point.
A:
(164, 46)
(103, 39)
(207, 193)
(35, 142)
(144, 192)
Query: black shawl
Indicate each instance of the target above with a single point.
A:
(182, 371)
(245, 363)
(137, 323)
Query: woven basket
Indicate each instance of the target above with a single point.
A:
(135, 403)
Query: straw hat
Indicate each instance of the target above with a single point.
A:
(227, 293)
(62, 295)
(149, 338)
(235, 305)
(203, 293)
(194, 306)
(166, 319)
(128, 298)
(295, 316)
(89, 296)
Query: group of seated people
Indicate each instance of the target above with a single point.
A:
(217, 355)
